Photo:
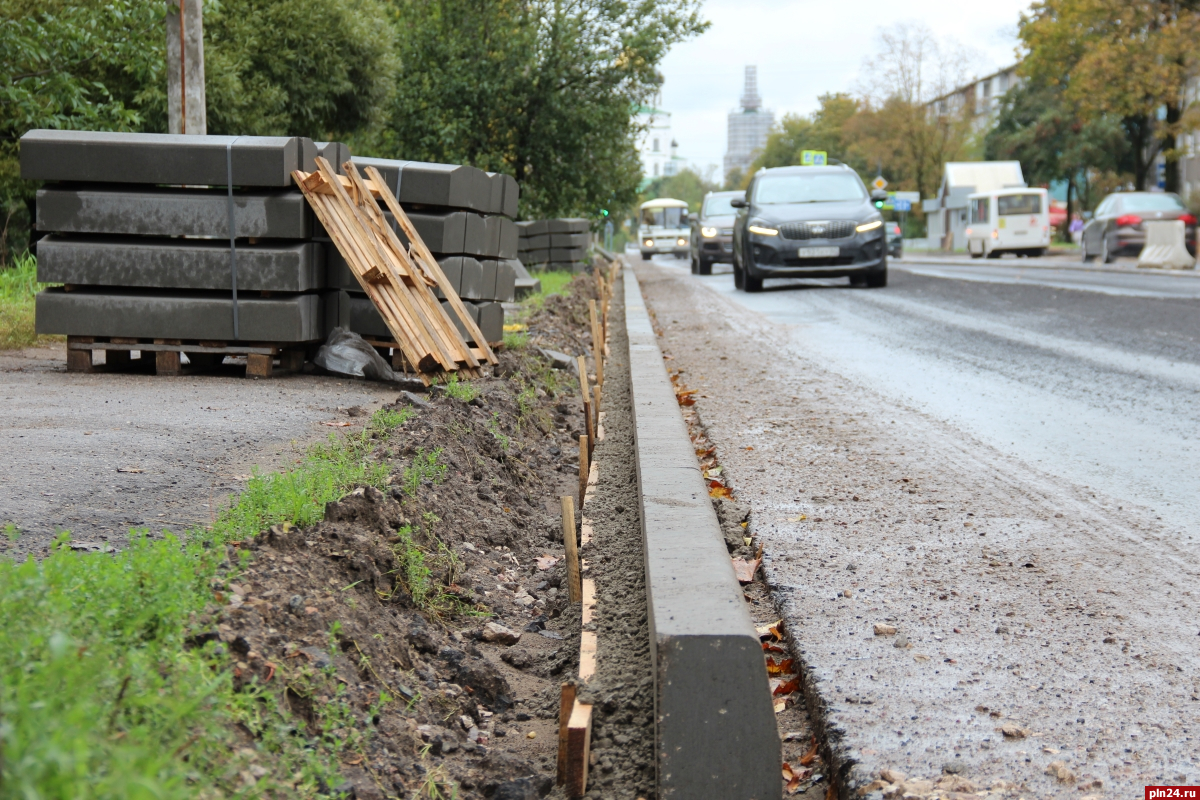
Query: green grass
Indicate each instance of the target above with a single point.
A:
(18, 286)
(100, 695)
(459, 390)
(553, 282)
(424, 467)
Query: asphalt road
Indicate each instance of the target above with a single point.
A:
(99, 454)
(999, 462)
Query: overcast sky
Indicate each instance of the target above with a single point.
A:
(804, 48)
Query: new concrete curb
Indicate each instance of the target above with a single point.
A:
(716, 736)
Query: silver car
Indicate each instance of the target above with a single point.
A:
(712, 232)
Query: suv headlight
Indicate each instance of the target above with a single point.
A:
(762, 230)
(869, 226)
(708, 233)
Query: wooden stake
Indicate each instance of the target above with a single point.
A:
(581, 364)
(566, 705)
(596, 404)
(584, 468)
(579, 743)
(597, 342)
(574, 585)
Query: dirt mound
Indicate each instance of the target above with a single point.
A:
(371, 626)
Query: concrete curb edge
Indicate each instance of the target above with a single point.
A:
(715, 732)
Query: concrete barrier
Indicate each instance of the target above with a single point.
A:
(1165, 247)
(716, 736)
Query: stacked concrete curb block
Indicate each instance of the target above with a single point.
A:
(554, 244)
(464, 216)
(139, 231)
(716, 735)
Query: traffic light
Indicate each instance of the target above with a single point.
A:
(879, 203)
(604, 212)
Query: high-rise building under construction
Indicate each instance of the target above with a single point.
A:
(748, 128)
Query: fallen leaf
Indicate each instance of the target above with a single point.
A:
(780, 704)
(514, 327)
(745, 569)
(712, 473)
(793, 777)
(718, 491)
(800, 518)
(750, 448)
(781, 667)
(771, 647)
(545, 562)
(786, 686)
(765, 631)
(811, 755)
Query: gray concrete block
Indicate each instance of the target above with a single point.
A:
(539, 242)
(491, 321)
(508, 239)
(533, 227)
(477, 239)
(506, 283)
(564, 266)
(150, 211)
(336, 153)
(445, 231)
(512, 196)
(496, 205)
(446, 185)
(567, 225)
(526, 287)
(365, 319)
(162, 158)
(179, 263)
(492, 226)
(487, 288)
(535, 257)
(452, 269)
(518, 268)
(464, 272)
(568, 253)
(569, 239)
(180, 315)
(716, 735)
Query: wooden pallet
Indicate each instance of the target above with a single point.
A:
(260, 356)
(398, 279)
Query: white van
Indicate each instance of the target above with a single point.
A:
(663, 227)
(1008, 221)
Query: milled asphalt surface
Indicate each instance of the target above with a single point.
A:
(67, 441)
(1002, 470)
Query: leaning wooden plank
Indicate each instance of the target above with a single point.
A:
(439, 324)
(340, 229)
(356, 255)
(565, 706)
(427, 328)
(430, 264)
(579, 743)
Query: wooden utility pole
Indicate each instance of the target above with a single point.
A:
(186, 110)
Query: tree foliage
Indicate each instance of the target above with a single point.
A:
(687, 185)
(542, 90)
(1120, 60)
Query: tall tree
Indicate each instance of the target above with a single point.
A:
(1039, 128)
(544, 90)
(913, 123)
(824, 129)
(1126, 59)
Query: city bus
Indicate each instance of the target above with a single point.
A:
(663, 227)
(1008, 221)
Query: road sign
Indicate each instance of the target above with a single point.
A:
(813, 158)
(879, 183)
(911, 197)
(901, 205)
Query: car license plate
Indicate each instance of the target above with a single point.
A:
(819, 252)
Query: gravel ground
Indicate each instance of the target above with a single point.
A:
(623, 687)
(1045, 635)
(98, 454)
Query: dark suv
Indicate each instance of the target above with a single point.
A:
(712, 231)
(808, 222)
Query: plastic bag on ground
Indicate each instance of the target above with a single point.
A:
(345, 353)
